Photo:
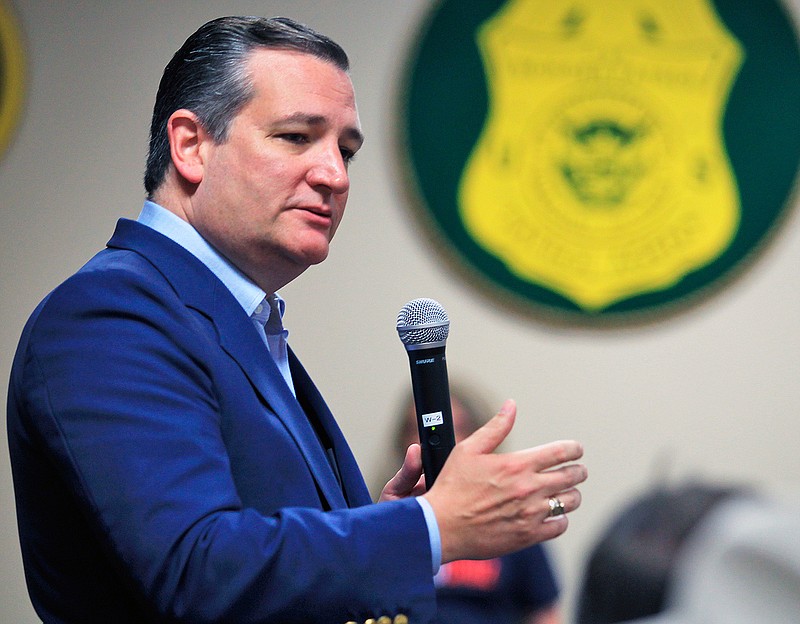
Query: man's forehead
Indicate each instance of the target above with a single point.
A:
(281, 70)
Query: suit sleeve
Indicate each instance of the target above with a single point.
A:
(120, 394)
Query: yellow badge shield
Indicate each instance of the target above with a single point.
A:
(601, 171)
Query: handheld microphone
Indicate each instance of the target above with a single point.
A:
(423, 327)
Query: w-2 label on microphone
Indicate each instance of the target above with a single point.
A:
(433, 419)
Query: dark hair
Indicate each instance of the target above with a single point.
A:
(629, 571)
(207, 75)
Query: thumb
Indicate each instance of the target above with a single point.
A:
(409, 473)
(486, 439)
(408, 480)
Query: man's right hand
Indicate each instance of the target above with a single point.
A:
(489, 504)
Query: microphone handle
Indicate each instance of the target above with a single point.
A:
(434, 412)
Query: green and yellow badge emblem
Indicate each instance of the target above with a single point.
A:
(603, 157)
(12, 74)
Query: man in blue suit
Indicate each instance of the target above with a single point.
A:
(172, 460)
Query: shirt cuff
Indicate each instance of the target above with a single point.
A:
(433, 533)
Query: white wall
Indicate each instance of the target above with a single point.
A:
(712, 391)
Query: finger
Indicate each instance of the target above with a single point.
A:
(411, 470)
(486, 439)
(552, 454)
(408, 479)
(553, 527)
(563, 503)
(563, 478)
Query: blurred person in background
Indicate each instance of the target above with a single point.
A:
(520, 588)
(740, 565)
(630, 570)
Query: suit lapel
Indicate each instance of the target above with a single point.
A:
(199, 288)
(252, 356)
(352, 480)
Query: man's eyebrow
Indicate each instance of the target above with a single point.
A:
(352, 133)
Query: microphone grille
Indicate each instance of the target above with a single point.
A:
(422, 321)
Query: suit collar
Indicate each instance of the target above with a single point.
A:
(246, 292)
(200, 289)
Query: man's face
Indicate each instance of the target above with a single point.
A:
(274, 193)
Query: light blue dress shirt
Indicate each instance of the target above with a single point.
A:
(265, 309)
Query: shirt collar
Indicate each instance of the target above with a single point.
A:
(246, 292)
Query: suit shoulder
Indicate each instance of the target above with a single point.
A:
(113, 279)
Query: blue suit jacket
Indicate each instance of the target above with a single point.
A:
(164, 471)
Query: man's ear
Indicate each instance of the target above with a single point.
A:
(186, 137)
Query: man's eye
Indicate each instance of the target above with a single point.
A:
(348, 155)
(294, 137)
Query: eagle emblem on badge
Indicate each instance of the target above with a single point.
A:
(601, 171)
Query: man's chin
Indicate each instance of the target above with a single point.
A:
(318, 259)
(314, 254)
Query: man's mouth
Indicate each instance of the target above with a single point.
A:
(319, 215)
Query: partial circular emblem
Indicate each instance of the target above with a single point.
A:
(12, 75)
(602, 159)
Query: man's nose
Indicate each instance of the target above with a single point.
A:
(330, 170)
